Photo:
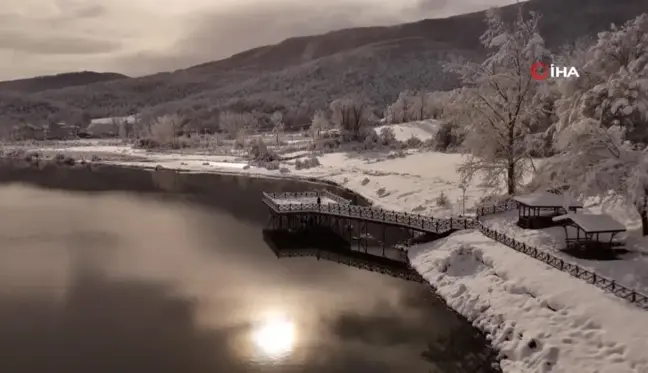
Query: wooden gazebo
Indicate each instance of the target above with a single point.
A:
(589, 228)
(536, 210)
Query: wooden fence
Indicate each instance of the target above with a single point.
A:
(503, 206)
(631, 295)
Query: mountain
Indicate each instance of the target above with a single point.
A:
(302, 74)
(49, 82)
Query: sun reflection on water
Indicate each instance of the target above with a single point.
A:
(274, 337)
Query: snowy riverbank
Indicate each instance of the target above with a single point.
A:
(541, 319)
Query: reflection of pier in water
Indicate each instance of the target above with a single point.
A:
(326, 244)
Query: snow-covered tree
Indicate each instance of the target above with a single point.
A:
(614, 81)
(595, 160)
(233, 124)
(164, 129)
(412, 106)
(498, 103)
(277, 124)
(399, 111)
(603, 119)
(319, 124)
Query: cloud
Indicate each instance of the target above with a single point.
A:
(56, 44)
(146, 36)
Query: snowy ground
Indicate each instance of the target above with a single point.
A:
(589, 331)
(541, 319)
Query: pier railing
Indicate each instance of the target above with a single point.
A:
(407, 220)
(313, 194)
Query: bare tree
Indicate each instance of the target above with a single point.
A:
(277, 124)
(351, 116)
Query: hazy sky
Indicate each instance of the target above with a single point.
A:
(137, 37)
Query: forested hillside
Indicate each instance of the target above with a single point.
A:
(301, 75)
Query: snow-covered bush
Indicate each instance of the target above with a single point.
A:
(447, 137)
(258, 151)
(387, 136)
(371, 141)
(272, 165)
(307, 163)
(442, 200)
(284, 170)
(414, 142)
(311, 162)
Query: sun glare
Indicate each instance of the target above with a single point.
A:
(275, 337)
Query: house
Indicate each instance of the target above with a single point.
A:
(60, 131)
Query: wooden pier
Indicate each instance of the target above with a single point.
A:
(295, 211)
(362, 238)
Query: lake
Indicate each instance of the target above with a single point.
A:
(127, 281)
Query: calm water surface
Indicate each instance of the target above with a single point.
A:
(118, 282)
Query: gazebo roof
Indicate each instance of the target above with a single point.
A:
(546, 200)
(593, 223)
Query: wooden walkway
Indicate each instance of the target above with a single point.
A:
(333, 205)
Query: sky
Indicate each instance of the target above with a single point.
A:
(139, 37)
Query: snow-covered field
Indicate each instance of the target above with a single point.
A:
(542, 319)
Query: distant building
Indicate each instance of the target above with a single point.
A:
(112, 126)
(60, 131)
